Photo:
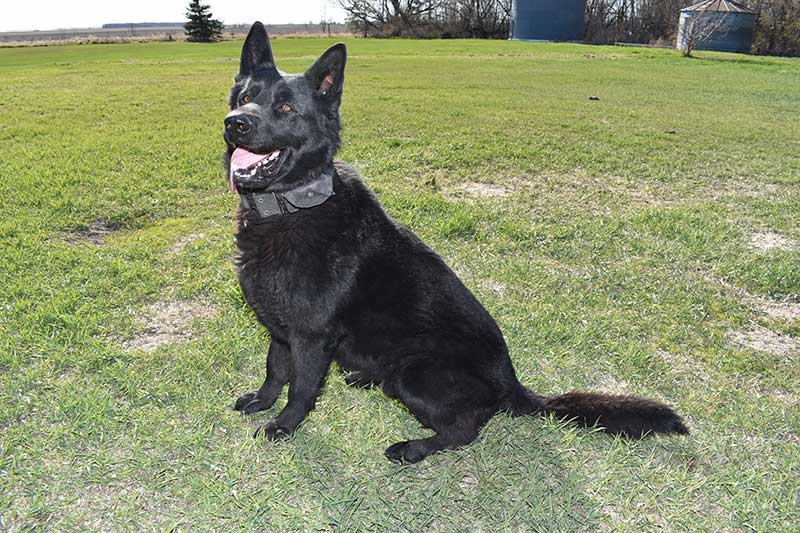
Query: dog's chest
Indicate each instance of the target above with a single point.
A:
(267, 282)
(283, 278)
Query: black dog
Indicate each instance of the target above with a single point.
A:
(332, 277)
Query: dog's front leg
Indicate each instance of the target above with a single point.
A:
(278, 371)
(310, 361)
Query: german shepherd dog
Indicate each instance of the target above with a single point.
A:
(333, 277)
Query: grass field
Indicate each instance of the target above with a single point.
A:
(647, 242)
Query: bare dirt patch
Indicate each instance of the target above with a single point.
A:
(762, 339)
(731, 189)
(468, 483)
(496, 287)
(609, 191)
(168, 323)
(580, 189)
(94, 233)
(485, 190)
(786, 310)
(766, 241)
(609, 384)
(474, 190)
(649, 198)
(182, 242)
(758, 337)
(685, 364)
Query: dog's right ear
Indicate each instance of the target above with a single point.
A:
(256, 52)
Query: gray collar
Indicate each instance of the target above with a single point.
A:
(259, 206)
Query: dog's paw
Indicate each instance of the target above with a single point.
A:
(243, 400)
(404, 453)
(357, 379)
(250, 403)
(271, 431)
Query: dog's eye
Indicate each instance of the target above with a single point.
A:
(245, 99)
(286, 108)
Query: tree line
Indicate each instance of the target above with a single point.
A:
(777, 30)
(484, 19)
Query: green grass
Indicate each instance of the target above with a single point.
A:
(614, 251)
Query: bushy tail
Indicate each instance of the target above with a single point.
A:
(629, 416)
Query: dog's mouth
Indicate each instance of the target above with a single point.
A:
(253, 171)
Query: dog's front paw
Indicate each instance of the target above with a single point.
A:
(243, 400)
(250, 403)
(404, 453)
(272, 431)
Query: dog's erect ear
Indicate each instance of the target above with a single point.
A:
(256, 52)
(327, 73)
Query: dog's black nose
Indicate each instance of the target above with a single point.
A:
(238, 124)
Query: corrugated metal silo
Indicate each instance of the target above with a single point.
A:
(722, 25)
(547, 20)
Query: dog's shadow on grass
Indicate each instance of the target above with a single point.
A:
(517, 474)
(513, 476)
(525, 473)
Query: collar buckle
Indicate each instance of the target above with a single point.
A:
(262, 205)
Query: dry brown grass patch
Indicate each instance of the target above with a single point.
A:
(473, 190)
(94, 233)
(786, 310)
(181, 242)
(685, 365)
(766, 241)
(761, 339)
(168, 322)
(485, 190)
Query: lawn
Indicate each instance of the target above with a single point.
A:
(645, 241)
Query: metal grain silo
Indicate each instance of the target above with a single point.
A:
(547, 20)
(719, 25)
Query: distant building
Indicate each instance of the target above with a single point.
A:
(548, 20)
(719, 25)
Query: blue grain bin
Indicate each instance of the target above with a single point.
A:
(547, 20)
(728, 26)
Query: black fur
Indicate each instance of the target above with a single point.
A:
(343, 281)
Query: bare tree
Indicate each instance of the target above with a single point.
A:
(429, 18)
(365, 16)
(638, 21)
(699, 28)
(482, 18)
(393, 18)
(777, 30)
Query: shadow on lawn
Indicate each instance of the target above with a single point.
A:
(515, 476)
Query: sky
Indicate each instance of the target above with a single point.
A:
(19, 15)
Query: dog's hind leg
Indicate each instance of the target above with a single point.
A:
(359, 380)
(451, 402)
(463, 430)
(278, 371)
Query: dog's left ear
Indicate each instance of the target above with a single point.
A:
(326, 75)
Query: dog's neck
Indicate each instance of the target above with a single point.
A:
(258, 207)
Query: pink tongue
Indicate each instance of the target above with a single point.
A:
(241, 159)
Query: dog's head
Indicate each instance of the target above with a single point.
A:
(282, 126)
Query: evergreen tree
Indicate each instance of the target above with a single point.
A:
(201, 27)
